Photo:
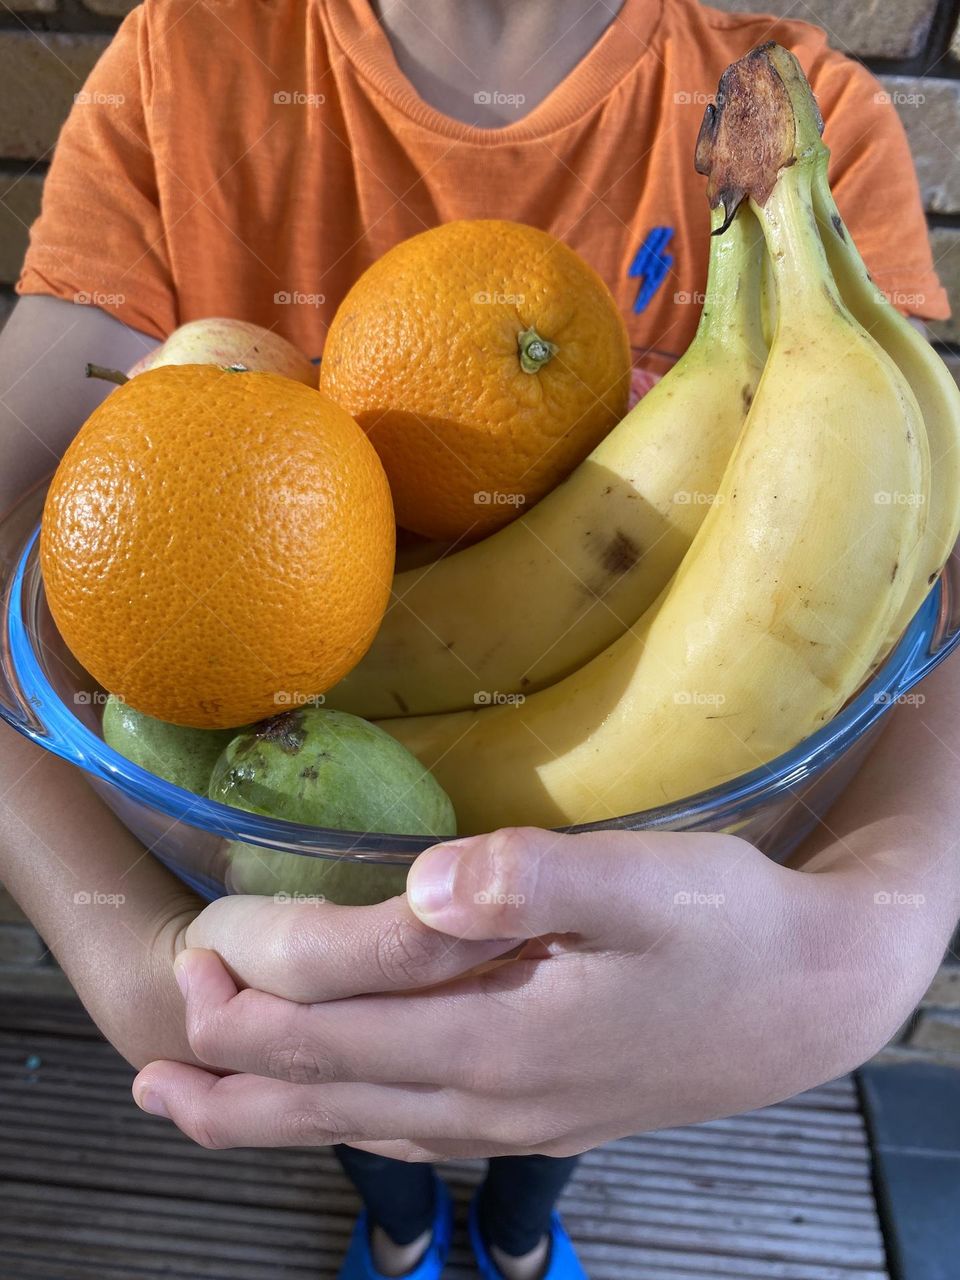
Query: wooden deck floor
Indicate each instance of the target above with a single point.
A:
(92, 1189)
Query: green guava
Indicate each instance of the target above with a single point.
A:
(252, 869)
(326, 769)
(182, 756)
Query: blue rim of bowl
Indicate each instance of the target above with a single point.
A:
(64, 735)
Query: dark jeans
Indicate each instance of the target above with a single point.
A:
(516, 1199)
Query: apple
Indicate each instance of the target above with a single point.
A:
(218, 340)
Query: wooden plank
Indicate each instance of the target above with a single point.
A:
(105, 1261)
(703, 1203)
(800, 1174)
(44, 1114)
(32, 1205)
(614, 1262)
(841, 1126)
(10, 913)
(55, 1011)
(748, 1244)
(838, 1154)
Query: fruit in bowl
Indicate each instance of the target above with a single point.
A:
(484, 359)
(214, 539)
(221, 341)
(750, 566)
(309, 766)
(180, 755)
(333, 770)
(330, 769)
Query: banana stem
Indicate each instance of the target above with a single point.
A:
(732, 303)
(802, 277)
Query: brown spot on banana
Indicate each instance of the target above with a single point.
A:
(620, 554)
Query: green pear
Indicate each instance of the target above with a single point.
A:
(326, 769)
(182, 756)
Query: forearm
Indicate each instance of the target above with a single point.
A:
(894, 837)
(44, 395)
(59, 845)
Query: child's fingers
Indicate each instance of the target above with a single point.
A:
(433, 1038)
(318, 951)
(247, 1111)
(610, 888)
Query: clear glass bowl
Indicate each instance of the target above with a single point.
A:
(47, 697)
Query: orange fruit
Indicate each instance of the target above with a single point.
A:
(485, 360)
(217, 545)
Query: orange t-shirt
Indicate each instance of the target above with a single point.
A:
(250, 158)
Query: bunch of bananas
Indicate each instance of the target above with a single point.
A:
(729, 565)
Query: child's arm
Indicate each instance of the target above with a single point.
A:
(56, 838)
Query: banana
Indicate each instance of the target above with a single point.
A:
(931, 382)
(794, 577)
(548, 592)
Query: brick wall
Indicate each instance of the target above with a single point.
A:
(48, 46)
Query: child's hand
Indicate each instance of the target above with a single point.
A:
(674, 978)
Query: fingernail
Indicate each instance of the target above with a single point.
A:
(430, 886)
(180, 972)
(154, 1104)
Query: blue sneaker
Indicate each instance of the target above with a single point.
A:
(562, 1261)
(358, 1264)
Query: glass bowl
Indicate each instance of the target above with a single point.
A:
(47, 697)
